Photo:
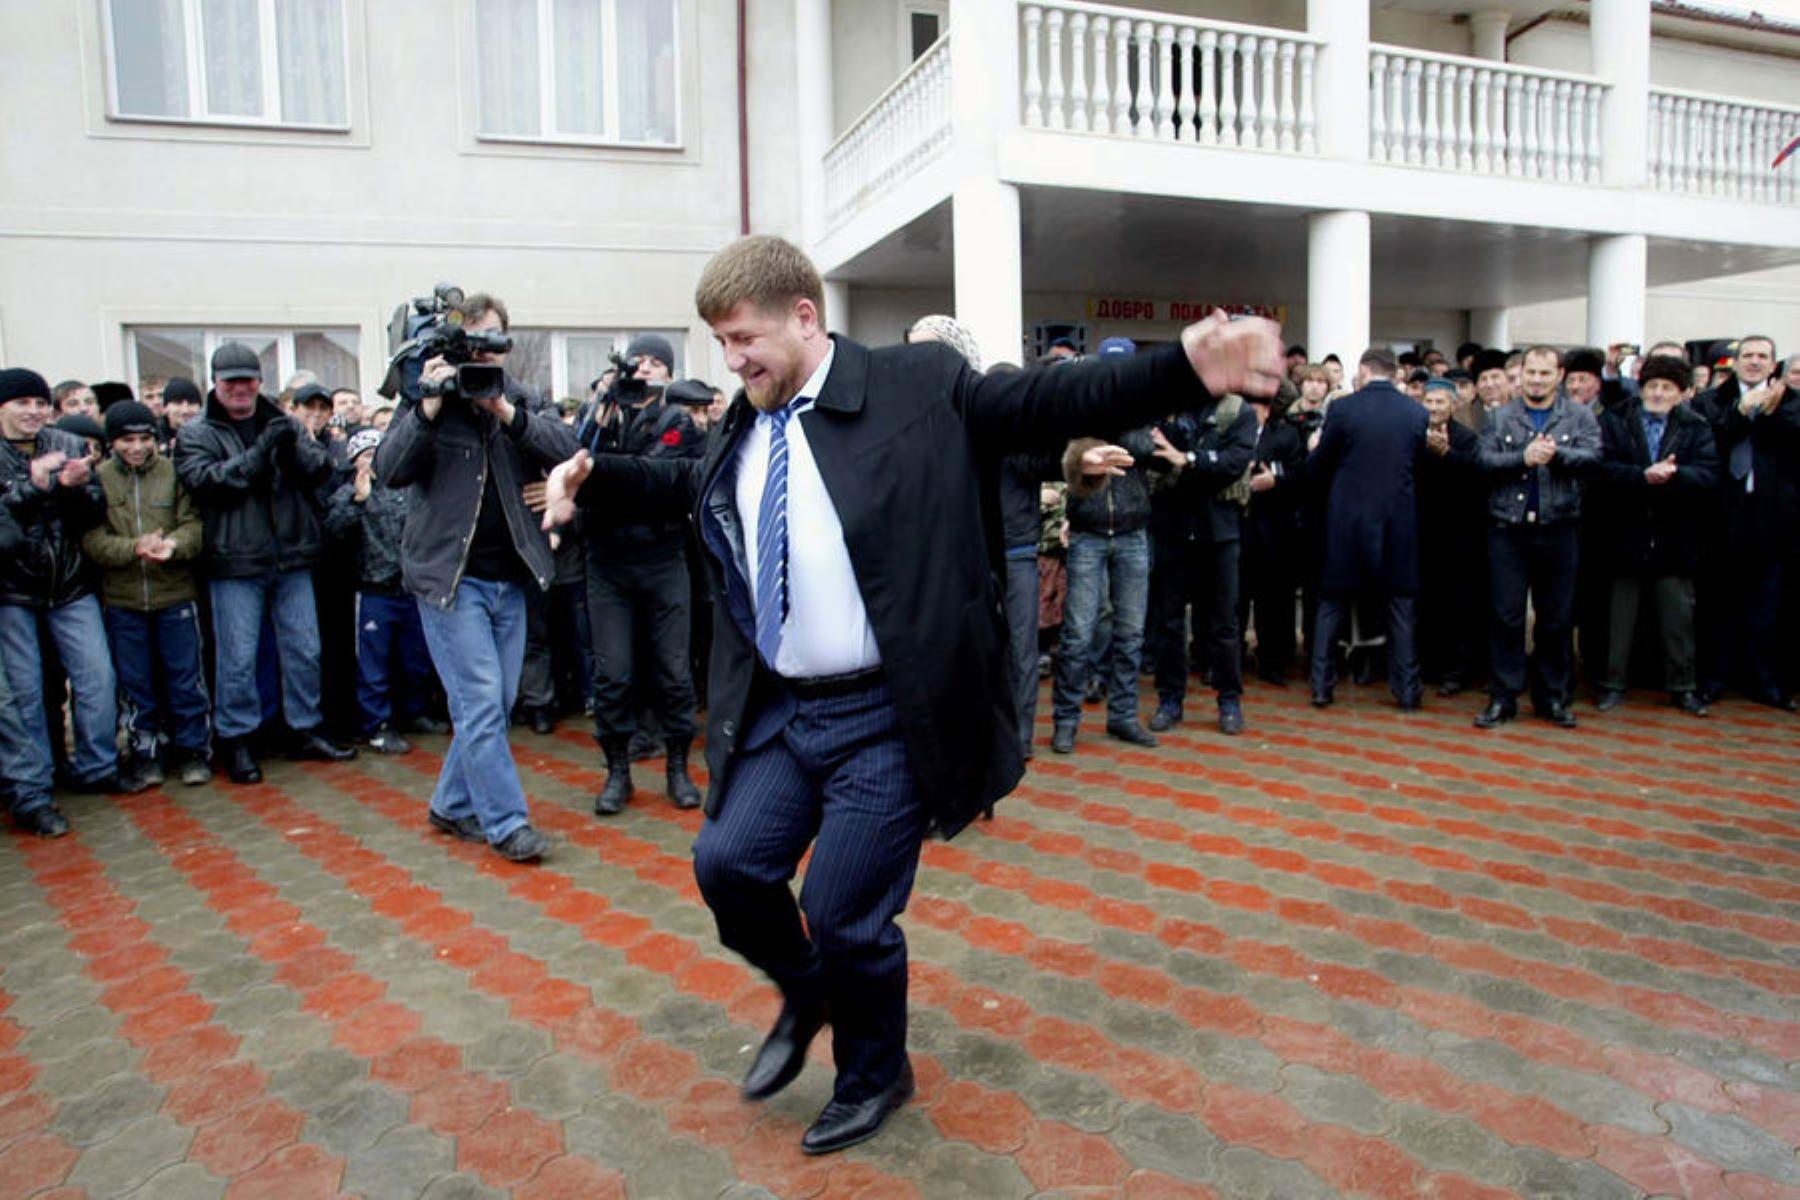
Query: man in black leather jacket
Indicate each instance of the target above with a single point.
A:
(46, 587)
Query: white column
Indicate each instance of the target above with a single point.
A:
(1487, 35)
(1337, 285)
(1619, 37)
(813, 116)
(984, 226)
(1491, 327)
(1342, 77)
(984, 79)
(1618, 275)
(837, 306)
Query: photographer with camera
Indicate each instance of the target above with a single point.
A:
(255, 477)
(467, 445)
(637, 585)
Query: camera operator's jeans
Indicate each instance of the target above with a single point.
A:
(478, 645)
(1101, 566)
(79, 634)
(238, 609)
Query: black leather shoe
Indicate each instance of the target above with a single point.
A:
(542, 722)
(1498, 712)
(313, 746)
(1166, 716)
(523, 844)
(1609, 699)
(45, 821)
(783, 1053)
(1231, 716)
(467, 829)
(1062, 739)
(240, 763)
(1133, 733)
(844, 1124)
(682, 792)
(1322, 698)
(1688, 703)
(1559, 715)
(615, 794)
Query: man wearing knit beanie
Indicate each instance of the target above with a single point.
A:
(47, 486)
(145, 549)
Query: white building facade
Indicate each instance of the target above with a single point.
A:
(287, 171)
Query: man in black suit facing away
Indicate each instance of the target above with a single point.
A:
(859, 680)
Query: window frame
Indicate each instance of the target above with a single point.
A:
(935, 8)
(212, 335)
(194, 49)
(546, 80)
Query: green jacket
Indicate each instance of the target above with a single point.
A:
(139, 501)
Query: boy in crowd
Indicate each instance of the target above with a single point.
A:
(145, 548)
(370, 516)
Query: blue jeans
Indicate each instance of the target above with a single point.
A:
(478, 644)
(1022, 626)
(80, 638)
(238, 609)
(388, 633)
(1099, 566)
(157, 658)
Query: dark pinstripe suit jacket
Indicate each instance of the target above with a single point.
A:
(908, 440)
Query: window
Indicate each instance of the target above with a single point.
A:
(924, 29)
(602, 71)
(558, 362)
(241, 62)
(922, 22)
(165, 352)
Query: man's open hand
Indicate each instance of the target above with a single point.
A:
(1242, 357)
(1106, 460)
(559, 491)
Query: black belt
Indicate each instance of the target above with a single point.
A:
(823, 687)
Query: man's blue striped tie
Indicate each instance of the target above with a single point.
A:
(772, 543)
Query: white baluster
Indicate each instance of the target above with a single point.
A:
(1565, 118)
(1722, 151)
(1078, 88)
(1658, 143)
(1054, 93)
(1497, 127)
(1483, 141)
(1227, 90)
(1433, 136)
(1748, 169)
(1209, 94)
(1247, 102)
(1146, 98)
(1184, 132)
(1266, 114)
(1034, 86)
(1686, 147)
(1165, 91)
(1588, 105)
(1396, 106)
(1286, 140)
(1766, 150)
(1102, 94)
(1703, 149)
(1756, 170)
(1785, 179)
(1378, 69)
(1515, 124)
(1465, 118)
(1308, 118)
(1121, 117)
(1532, 125)
(1415, 125)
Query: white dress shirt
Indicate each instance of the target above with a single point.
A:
(827, 629)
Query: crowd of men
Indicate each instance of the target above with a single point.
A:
(198, 578)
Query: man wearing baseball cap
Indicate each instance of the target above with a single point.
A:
(255, 479)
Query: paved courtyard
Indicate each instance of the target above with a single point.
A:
(1351, 953)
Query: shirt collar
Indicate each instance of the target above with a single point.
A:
(809, 391)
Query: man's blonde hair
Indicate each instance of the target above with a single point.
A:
(765, 271)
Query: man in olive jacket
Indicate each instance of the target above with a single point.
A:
(145, 549)
(255, 478)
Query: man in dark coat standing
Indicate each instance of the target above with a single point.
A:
(1364, 459)
(860, 685)
(1452, 547)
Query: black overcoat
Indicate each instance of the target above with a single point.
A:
(1367, 454)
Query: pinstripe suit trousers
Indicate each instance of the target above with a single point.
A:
(831, 772)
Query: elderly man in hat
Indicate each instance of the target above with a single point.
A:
(637, 582)
(255, 477)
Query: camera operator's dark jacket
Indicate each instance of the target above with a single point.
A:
(657, 430)
(259, 502)
(1502, 457)
(1110, 505)
(47, 569)
(374, 527)
(446, 463)
(1205, 500)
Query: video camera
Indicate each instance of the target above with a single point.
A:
(431, 327)
(627, 388)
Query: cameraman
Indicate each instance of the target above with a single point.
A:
(638, 580)
(469, 549)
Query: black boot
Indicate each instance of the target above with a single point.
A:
(681, 789)
(617, 791)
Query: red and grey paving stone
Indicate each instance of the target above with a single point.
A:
(1352, 953)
